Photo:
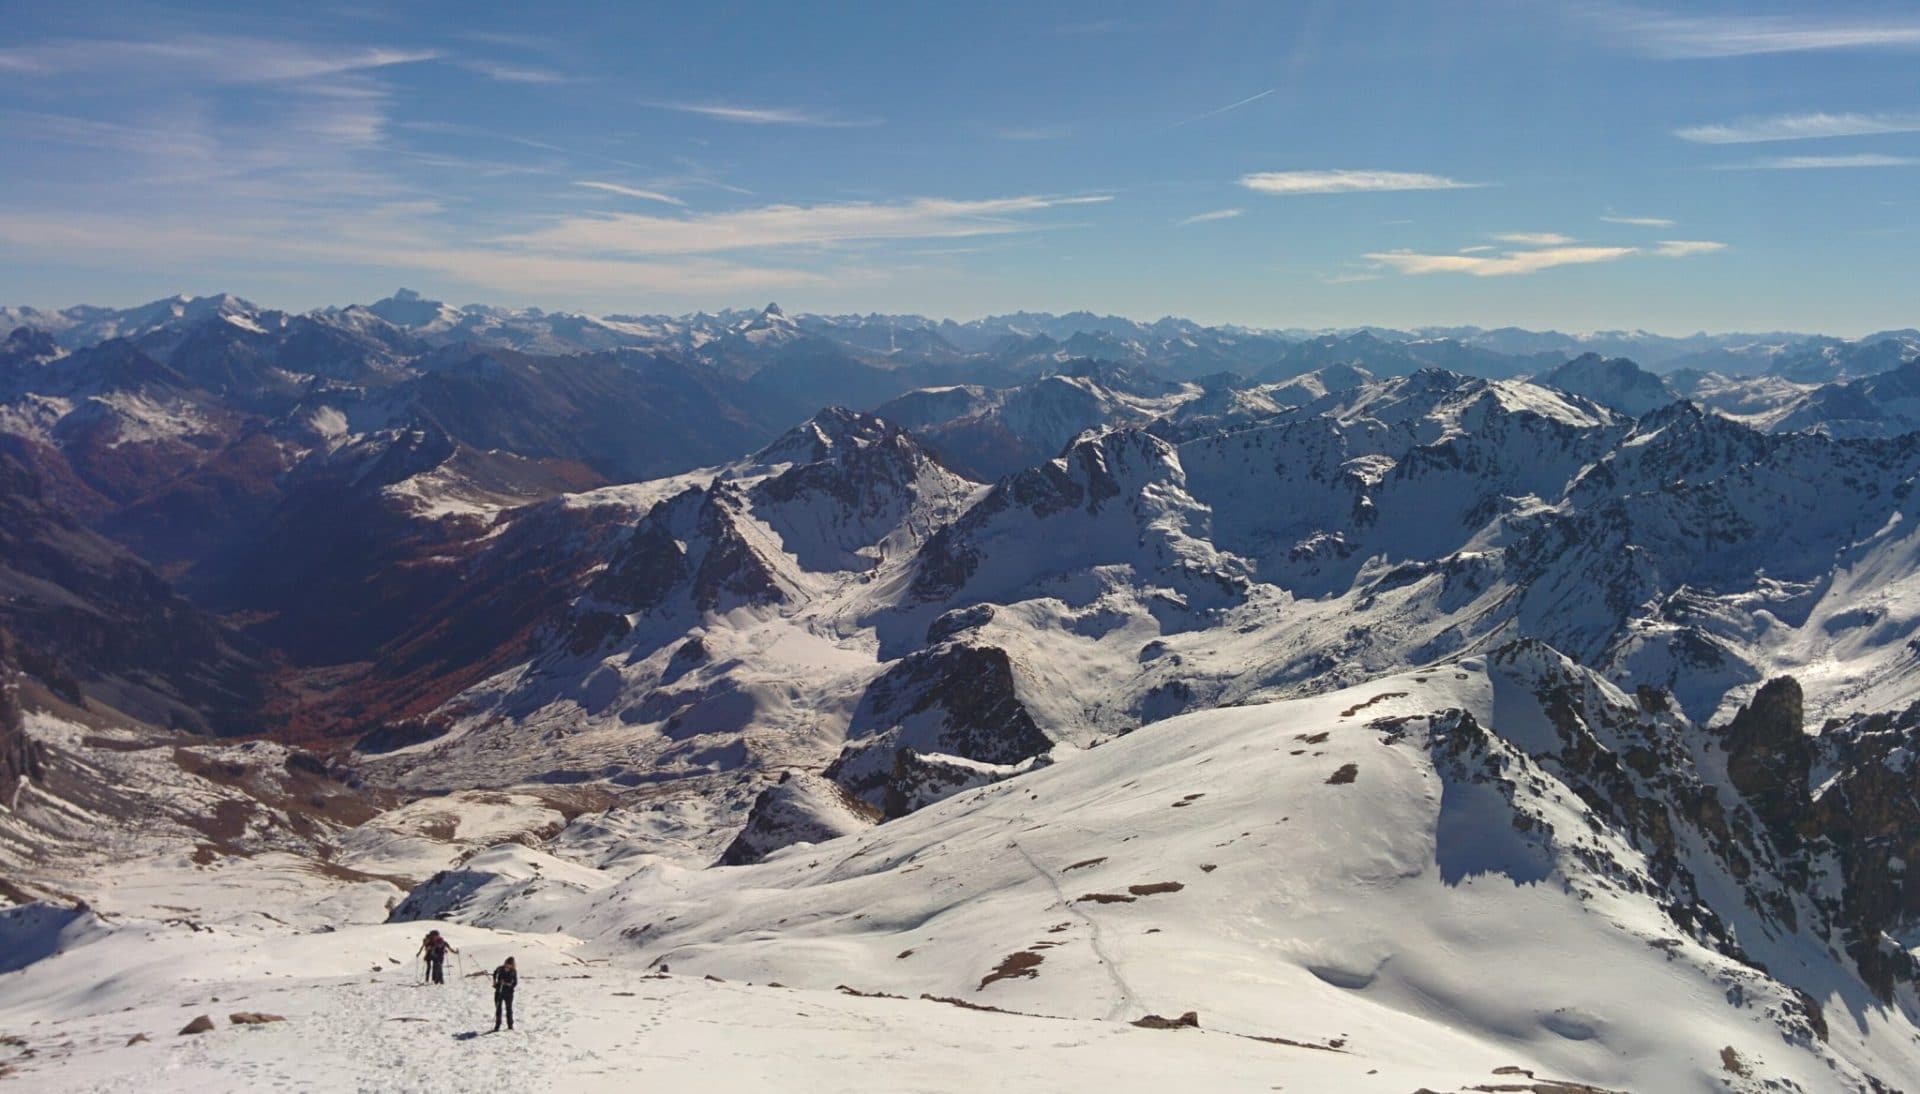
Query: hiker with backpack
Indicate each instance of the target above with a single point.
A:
(435, 947)
(505, 978)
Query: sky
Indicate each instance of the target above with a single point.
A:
(1317, 163)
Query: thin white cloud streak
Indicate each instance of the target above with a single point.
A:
(1523, 262)
(1640, 222)
(1678, 37)
(1817, 163)
(1480, 249)
(1204, 218)
(777, 226)
(218, 59)
(1222, 110)
(755, 115)
(1511, 264)
(630, 191)
(385, 243)
(1534, 239)
(457, 129)
(1799, 127)
(512, 74)
(1687, 248)
(1347, 182)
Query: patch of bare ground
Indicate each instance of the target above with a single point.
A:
(968, 1005)
(1188, 800)
(1338, 1044)
(1535, 1085)
(120, 744)
(228, 822)
(574, 801)
(1319, 738)
(348, 874)
(438, 826)
(1085, 863)
(1189, 1020)
(1019, 963)
(1153, 888)
(1346, 774)
(1106, 898)
(845, 990)
(1365, 703)
(1731, 1060)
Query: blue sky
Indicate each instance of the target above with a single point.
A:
(1574, 165)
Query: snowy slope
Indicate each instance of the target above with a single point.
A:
(1370, 867)
(1404, 884)
(356, 1018)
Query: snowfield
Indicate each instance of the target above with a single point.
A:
(1354, 891)
(358, 1018)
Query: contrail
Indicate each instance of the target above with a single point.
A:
(1224, 109)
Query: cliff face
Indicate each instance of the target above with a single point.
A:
(20, 757)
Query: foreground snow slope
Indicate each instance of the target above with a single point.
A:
(1403, 885)
(357, 1019)
(1367, 870)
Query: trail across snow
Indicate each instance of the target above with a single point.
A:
(1125, 1001)
(584, 1026)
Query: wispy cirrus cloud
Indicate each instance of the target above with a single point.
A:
(205, 58)
(629, 191)
(1677, 37)
(1510, 264)
(1534, 239)
(1203, 218)
(400, 243)
(1640, 222)
(786, 226)
(1686, 248)
(762, 115)
(1347, 182)
(1479, 261)
(512, 74)
(1799, 127)
(1818, 163)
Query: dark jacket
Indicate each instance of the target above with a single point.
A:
(504, 979)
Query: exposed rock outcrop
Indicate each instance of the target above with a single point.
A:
(800, 808)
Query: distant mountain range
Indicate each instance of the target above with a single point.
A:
(744, 339)
(322, 482)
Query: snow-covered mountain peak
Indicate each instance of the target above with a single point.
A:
(819, 437)
(1612, 382)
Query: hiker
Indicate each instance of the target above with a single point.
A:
(435, 948)
(504, 979)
